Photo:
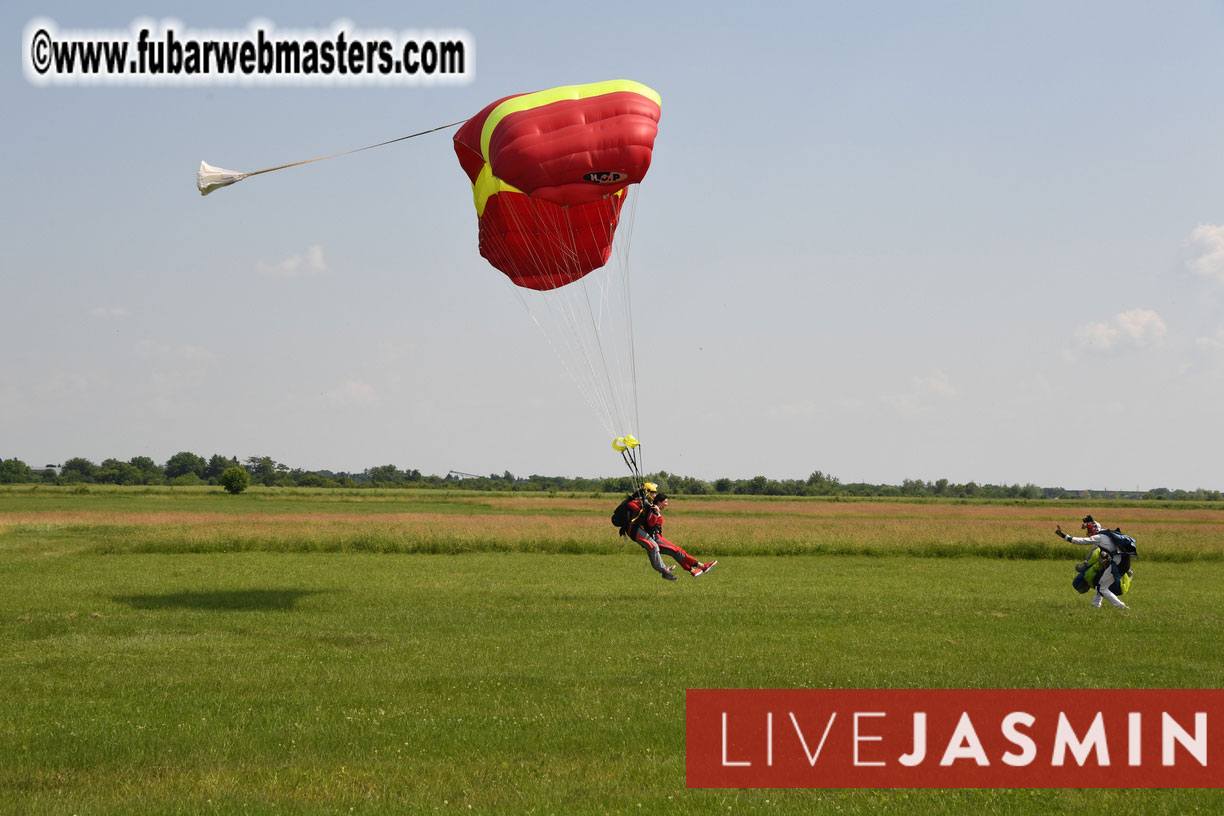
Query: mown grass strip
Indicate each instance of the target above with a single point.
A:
(266, 682)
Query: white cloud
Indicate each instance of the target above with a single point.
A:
(1206, 251)
(353, 392)
(1136, 327)
(308, 263)
(1097, 336)
(1143, 326)
(924, 391)
(109, 312)
(1214, 342)
(790, 410)
(153, 350)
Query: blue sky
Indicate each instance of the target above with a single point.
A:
(974, 241)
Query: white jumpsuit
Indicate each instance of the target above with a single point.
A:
(1106, 578)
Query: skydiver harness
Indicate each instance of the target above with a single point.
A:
(624, 517)
(1089, 571)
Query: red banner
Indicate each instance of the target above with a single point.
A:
(955, 738)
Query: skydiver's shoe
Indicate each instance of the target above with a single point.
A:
(702, 569)
(1096, 601)
(667, 574)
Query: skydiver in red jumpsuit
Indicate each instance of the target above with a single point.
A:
(646, 528)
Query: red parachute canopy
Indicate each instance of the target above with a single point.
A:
(548, 172)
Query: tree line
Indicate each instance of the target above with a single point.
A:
(188, 469)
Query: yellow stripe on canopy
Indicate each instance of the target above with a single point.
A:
(488, 185)
(535, 100)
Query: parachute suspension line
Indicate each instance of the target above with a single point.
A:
(607, 370)
(581, 321)
(581, 317)
(569, 336)
(532, 159)
(591, 394)
(623, 250)
(634, 466)
(618, 280)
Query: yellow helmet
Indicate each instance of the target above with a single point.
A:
(651, 488)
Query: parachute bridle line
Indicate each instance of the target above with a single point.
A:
(359, 149)
(222, 178)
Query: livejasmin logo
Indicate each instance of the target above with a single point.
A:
(959, 738)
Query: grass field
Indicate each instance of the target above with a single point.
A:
(185, 651)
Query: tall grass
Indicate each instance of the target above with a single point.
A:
(204, 520)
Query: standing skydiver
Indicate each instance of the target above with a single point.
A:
(1114, 562)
